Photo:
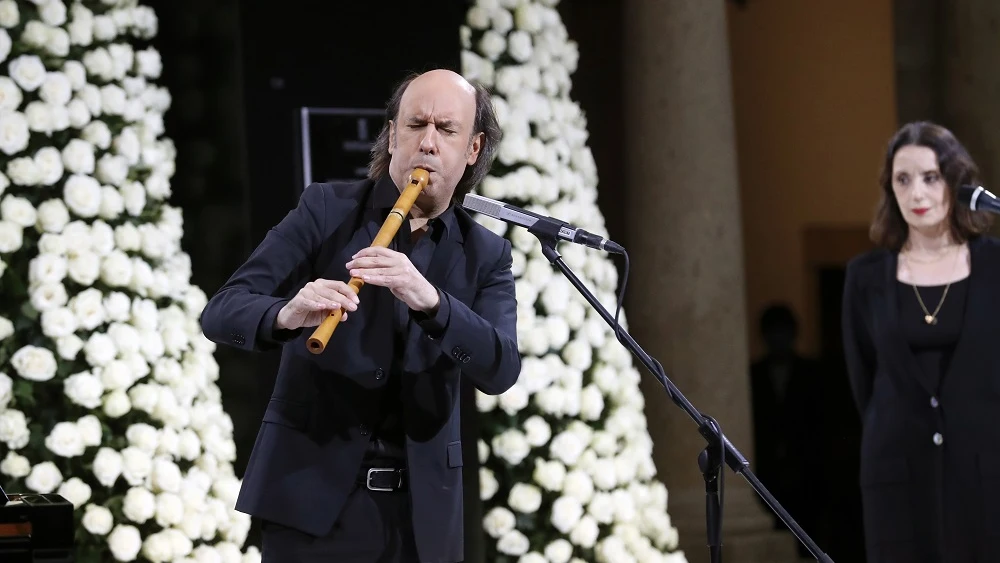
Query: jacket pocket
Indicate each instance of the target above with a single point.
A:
(886, 499)
(292, 414)
(455, 454)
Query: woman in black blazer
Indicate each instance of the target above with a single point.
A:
(921, 323)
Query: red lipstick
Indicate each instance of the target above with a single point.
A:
(921, 210)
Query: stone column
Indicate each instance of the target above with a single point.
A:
(971, 81)
(686, 300)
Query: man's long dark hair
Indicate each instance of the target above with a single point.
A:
(485, 123)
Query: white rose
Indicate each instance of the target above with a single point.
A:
(97, 133)
(53, 12)
(49, 163)
(591, 403)
(44, 478)
(158, 186)
(144, 437)
(105, 28)
(78, 157)
(10, 96)
(118, 306)
(47, 295)
(113, 100)
(189, 446)
(117, 404)
(107, 466)
(148, 63)
(112, 203)
(145, 21)
(169, 509)
(145, 315)
(82, 195)
(76, 73)
(65, 440)
(5, 44)
(579, 486)
(15, 465)
(585, 532)
(97, 520)
(58, 322)
(559, 551)
(84, 389)
(511, 446)
(549, 474)
(134, 195)
(14, 429)
(125, 542)
(10, 16)
(34, 363)
(28, 72)
(158, 547)
(47, 269)
(6, 387)
(88, 308)
(566, 512)
(81, 31)
(499, 521)
(524, 498)
(537, 431)
(69, 346)
(127, 340)
(35, 34)
(18, 210)
(514, 399)
(53, 218)
(100, 349)
(116, 269)
(90, 430)
(112, 169)
(79, 114)
(84, 268)
(137, 465)
(42, 117)
(513, 543)
(75, 491)
(139, 505)
(50, 244)
(127, 145)
(11, 236)
(91, 96)
(14, 137)
(56, 89)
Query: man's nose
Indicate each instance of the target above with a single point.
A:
(428, 143)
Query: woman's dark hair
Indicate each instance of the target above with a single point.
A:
(485, 122)
(888, 229)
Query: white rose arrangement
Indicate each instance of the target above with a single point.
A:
(567, 472)
(108, 392)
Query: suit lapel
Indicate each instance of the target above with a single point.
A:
(978, 311)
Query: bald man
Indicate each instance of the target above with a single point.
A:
(359, 456)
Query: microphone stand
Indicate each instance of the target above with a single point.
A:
(719, 447)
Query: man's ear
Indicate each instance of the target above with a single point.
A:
(392, 135)
(474, 147)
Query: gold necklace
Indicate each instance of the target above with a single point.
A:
(931, 318)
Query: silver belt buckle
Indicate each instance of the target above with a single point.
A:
(368, 481)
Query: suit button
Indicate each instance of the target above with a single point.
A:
(938, 439)
(364, 430)
(379, 374)
(466, 359)
(934, 402)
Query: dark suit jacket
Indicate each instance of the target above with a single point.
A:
(924, 500)
(318, 422)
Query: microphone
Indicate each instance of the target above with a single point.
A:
(978, 198)
(527, 219)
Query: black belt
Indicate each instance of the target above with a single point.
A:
(383, 479)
